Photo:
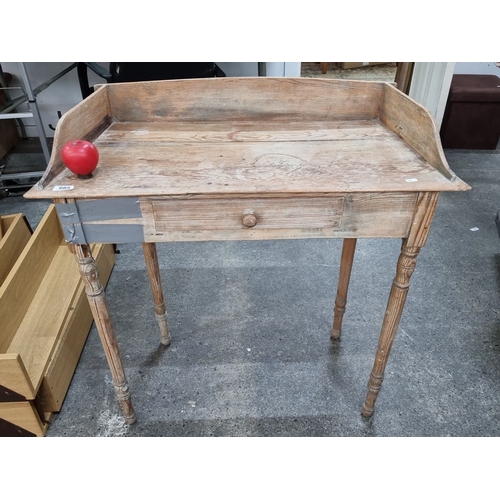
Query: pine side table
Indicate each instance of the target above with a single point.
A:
(249, 159)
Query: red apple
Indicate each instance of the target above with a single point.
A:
(81, 157)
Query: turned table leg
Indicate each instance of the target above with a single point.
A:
(405, 267)
(348, 249)
(151, 258)
(100, 311)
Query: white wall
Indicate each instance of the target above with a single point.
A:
(65, 93)
(430, 86)
(476, 68)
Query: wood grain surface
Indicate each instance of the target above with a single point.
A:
(251, 135)
(179, 160)
(16, 235)
(250, 99)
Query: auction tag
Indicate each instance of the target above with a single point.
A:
(63, 188)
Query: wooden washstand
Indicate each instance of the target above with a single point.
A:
(249, 159)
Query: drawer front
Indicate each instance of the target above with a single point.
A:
(224, 218)
(233, 214)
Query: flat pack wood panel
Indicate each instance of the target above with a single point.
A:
(75, 330)
(256, 99)
(371, 162)
(5, 223)
(14, 376)
(25, 415)
(329, 216)
(20, 286)
(42, 324)
(16, 235)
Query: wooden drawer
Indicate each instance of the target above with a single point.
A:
(246, 213)
(243, 218)
(45, 322)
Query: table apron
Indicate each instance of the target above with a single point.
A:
(259, 217)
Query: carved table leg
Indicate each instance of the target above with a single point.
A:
(100, 311)
(405, 267)
(151, 258)
(348, 249)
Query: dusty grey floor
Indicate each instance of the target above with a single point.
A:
(250, 321)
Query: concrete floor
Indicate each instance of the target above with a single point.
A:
(250, 322)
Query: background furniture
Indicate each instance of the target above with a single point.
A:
(146, 71)
(472, 115)
(8, 112)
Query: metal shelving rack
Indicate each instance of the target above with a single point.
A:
(29, 97)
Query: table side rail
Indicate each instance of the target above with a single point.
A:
(161, 218)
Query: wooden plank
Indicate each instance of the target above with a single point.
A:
(377, 215)
(255, 99)
(86, 121)
(14, 376)
(16, 235)
(24, 415)
(42, 324)
(22, 283)
(5, 222)
(48, 315)
(8, 429)
(153, 133)
(374, 164)
(64, 359)
(416, 127)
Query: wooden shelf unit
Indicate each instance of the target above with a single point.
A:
(45, 321)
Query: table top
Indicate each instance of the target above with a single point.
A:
(254, 155)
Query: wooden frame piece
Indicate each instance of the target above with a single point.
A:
(15, 233)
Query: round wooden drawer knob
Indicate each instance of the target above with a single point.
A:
(249, 218)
